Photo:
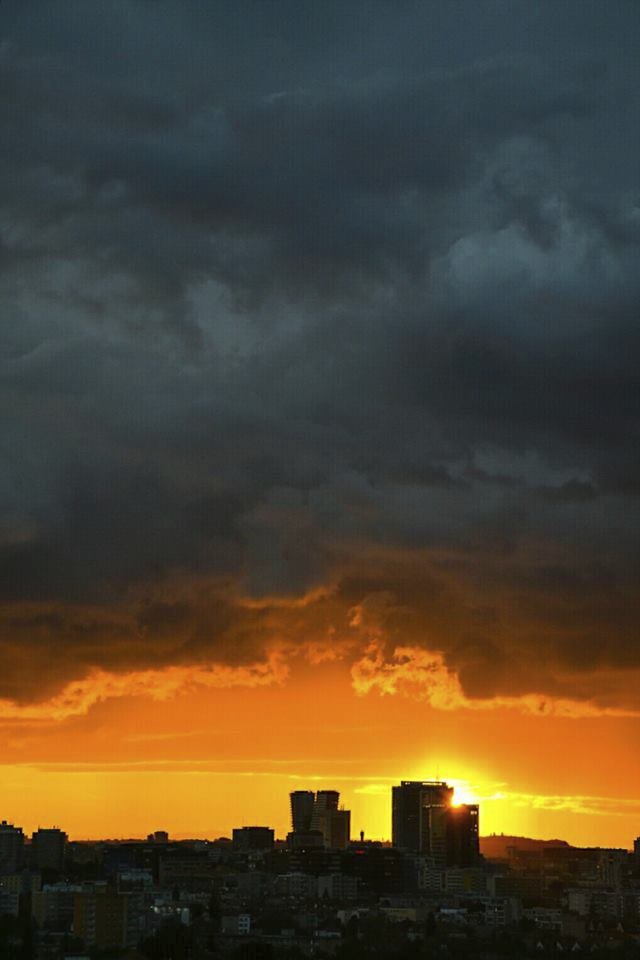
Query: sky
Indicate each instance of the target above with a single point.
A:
(319, 407)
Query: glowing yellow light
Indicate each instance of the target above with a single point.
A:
(462, 792)
(466, 789)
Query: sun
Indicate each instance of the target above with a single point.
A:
(466, 788)
(462, 792)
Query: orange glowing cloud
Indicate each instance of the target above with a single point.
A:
(424, 674)
(77, 698)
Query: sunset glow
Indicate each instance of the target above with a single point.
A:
(197, 758)
(319, 403)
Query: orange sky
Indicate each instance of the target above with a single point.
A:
(205, 760)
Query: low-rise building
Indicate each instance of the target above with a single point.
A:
(501, 911)
(10, 890)
(238, 925)
(105, 920)
(338, 886)
(298, 885)
(53, 906)
(246, 839)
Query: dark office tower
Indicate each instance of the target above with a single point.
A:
(326, 800)
(417, 820)
(324, 809)
(435, 831)
(47, 849)
(301, 810)
(340, 829)
(463, 840)
(405, 815)
(11, 848)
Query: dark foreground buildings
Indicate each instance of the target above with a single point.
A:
(319, 895)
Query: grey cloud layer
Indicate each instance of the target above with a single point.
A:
(299, 294)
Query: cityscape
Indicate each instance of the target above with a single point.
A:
(320, 479)
(438, 888)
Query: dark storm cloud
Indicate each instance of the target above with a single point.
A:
(301, 295)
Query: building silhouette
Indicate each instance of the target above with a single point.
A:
(415, 822)
(158, 836)
(252, 838)
(425, 822)
(325, 805)
(48, 848)
(11, 848)
(339, 830)
(317, 820)
(302, 802)
(463, 838)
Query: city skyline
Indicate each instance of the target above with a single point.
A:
(319, 410)
(305, 818)
(84, 793)
(438, 884)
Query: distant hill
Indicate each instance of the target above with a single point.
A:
(494, 847)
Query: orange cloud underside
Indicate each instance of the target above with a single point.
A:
(200, 752)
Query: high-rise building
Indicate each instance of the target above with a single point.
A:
(435, 822)
(463, 838)
(302, 802)
(425, 821)
(47, 848)
(405, 815)
(415, 820)
(326, 803)
(317, 819)
(11, 848)
(333, 823)
(340, 829)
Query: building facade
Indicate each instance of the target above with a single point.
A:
(318, 820)
(425, 821)
(416, 824)
(11, 848)
(48, 849)
(252, 838)
(302, 802)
